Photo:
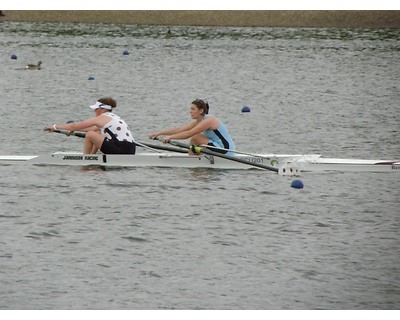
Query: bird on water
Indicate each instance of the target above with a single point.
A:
(34, 66)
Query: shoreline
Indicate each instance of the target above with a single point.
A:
(236, 18)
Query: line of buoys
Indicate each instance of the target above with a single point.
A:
(125, 53)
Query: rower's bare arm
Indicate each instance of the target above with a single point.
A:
(93, 128)
(86, 125)
(172, 130)
(193, 130)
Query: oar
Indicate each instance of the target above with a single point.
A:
(282, 170)
(71, 133)
(221, 155)
(229, 150)
(157, 148)
(153, 147)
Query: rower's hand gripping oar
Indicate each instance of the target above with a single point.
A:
(284, 170)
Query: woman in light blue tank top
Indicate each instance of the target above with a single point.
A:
(204, 130)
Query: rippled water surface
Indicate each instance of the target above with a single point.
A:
(151, 238)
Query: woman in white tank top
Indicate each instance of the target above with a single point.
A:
(106, 131)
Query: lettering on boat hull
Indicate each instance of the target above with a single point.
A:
(80, 158)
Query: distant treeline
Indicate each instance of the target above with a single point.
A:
(247, 18)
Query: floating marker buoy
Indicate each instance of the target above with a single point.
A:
(91, 78)
(126, 53)
(70, 121)
(297, 184)
(14, 56)
(245, 109)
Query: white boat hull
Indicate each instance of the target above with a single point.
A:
(177, 160)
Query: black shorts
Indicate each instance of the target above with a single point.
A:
(120, 147)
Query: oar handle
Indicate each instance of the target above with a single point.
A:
(73, 133)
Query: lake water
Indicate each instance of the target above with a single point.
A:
(151, 238)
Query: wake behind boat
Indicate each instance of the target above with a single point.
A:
(284, 163)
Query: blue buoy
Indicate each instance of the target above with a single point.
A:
(297, 184)
(14, 56)
(70, 121)
(91, 78)
(245, 109)
(126, 53)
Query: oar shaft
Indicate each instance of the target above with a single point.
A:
(221, 155)
(234, 151)
(165, 148)
(71, 133)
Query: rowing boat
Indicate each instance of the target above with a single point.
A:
(177, 157)
(303, 163)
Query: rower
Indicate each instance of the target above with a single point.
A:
(204, 129)
(106, 131)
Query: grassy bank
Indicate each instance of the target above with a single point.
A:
(275, 18)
